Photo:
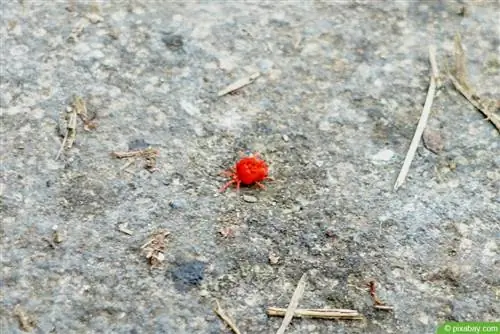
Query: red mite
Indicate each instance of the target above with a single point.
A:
(248, 170)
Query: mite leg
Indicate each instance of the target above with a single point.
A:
(226, 186)
(229, 173)
(260, 185)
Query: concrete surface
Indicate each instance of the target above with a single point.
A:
(334, 111)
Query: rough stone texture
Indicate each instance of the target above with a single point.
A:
(341, 91)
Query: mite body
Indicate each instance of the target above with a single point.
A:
(248, 171)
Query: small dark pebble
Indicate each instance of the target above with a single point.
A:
(138, 144)
(177, 204)
(173, 42)
(331, 234)
(188, 274)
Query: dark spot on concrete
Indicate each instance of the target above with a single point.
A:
(138, 144)
(177, 204)
(188, 274)
(173, 42)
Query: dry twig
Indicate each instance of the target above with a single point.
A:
(149, 154)
(476, 101)
(67, 127)
(220, 312)
(377, 303)
(460, 81)
(124, 229)
(460, 70)
(294, 303)
(317, 313)
(422, 122)
(67, 122)
(239, 84)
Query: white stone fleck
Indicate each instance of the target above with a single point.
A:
(383, 156)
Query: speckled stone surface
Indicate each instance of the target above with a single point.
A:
(341, 89)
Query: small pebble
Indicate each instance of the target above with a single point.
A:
(249, 199)
(138, 144)
(273, 258)
(285, 138)
(433, 141)
(383, 156)
(177, 204)
(173, 42)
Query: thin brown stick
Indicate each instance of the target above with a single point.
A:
(377, 303)
(317, 313)
(62, 145)
(476, 102)
(239, 84)
(50, 242)
(458, 77)
(383, 307)
(421, 123)
(460, 70)
(220, 312)
(294, 302)
(127, 154)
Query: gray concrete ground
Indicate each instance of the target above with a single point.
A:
(334, 111)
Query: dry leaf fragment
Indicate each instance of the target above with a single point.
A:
(155, 248)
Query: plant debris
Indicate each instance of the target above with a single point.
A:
(148, 154)
(434, 83)
(458, 77)
(155, 248)
(26, 322)
(377, 303)
(294, 302)
(56, 237)
(50, 242)
(239, 84)
(68, 122)
(317, 313)
(220, 312)
(124, 229)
